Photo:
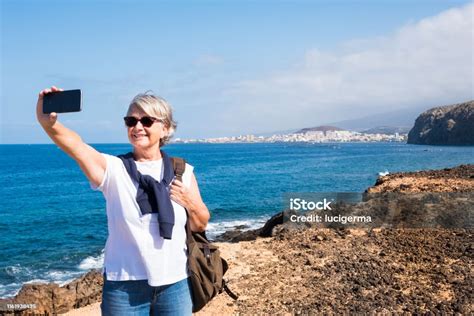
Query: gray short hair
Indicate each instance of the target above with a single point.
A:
(155, 106)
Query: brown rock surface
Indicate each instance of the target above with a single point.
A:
(327, 271)
(51, 299)
(316, 271)
(458, 179)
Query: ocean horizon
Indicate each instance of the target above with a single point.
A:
(54, 226)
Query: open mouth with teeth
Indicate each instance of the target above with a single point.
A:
(138, 136)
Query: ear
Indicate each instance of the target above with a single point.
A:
(164, 130)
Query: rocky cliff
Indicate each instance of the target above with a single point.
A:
(445, 125)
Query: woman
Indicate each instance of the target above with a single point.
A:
(145, 265)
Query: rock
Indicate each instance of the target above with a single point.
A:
(88, 288)
(267, 230)
(445, 125)
(51, 299)
(237, 235)
(39, 294)
(64, 298)
(457, 179)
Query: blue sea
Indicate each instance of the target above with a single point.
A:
(53, 226)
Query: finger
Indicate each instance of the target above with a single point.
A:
(54, 89)
(180, 190)
(176, 193)
(43, 92)
(178, 183)
(176, 199)
(175, 187)
(53, 116)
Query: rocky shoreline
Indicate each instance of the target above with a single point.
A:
(458, 179)
(326, 270)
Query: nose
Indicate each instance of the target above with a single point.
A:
(139, 125)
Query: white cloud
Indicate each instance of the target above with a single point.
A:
(429, 62)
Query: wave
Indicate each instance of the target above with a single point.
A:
(215, 229)
(92, 262)
(383, 173)
(17, 269)
(9, 290)
(60, 277)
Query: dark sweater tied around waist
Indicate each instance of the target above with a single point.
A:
(152, 195)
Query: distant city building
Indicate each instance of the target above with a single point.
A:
(309, 136)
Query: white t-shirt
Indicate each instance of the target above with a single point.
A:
(134, 249)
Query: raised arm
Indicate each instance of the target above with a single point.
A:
(91, 162)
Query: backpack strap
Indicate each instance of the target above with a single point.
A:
(179, 165)
(228, 291)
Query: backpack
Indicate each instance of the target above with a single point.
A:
(206, 267)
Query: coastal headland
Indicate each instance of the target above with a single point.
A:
(445, 125)
(304, 270)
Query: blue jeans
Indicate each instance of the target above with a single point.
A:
(137, 298)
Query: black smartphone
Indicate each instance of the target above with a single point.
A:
(62, 101)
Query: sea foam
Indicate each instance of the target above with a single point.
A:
(92, 262)
(215, 229)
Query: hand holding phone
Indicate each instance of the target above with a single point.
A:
(62, 101)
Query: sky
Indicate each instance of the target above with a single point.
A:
(231, 67)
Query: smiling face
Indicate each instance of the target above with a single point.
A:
(142, 137)
(160, 132)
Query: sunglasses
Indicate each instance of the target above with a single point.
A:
(146, 121)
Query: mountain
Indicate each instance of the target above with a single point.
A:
(323, 128)
(281, 132)
(445, 125)
(397, 118)
(388, 130)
